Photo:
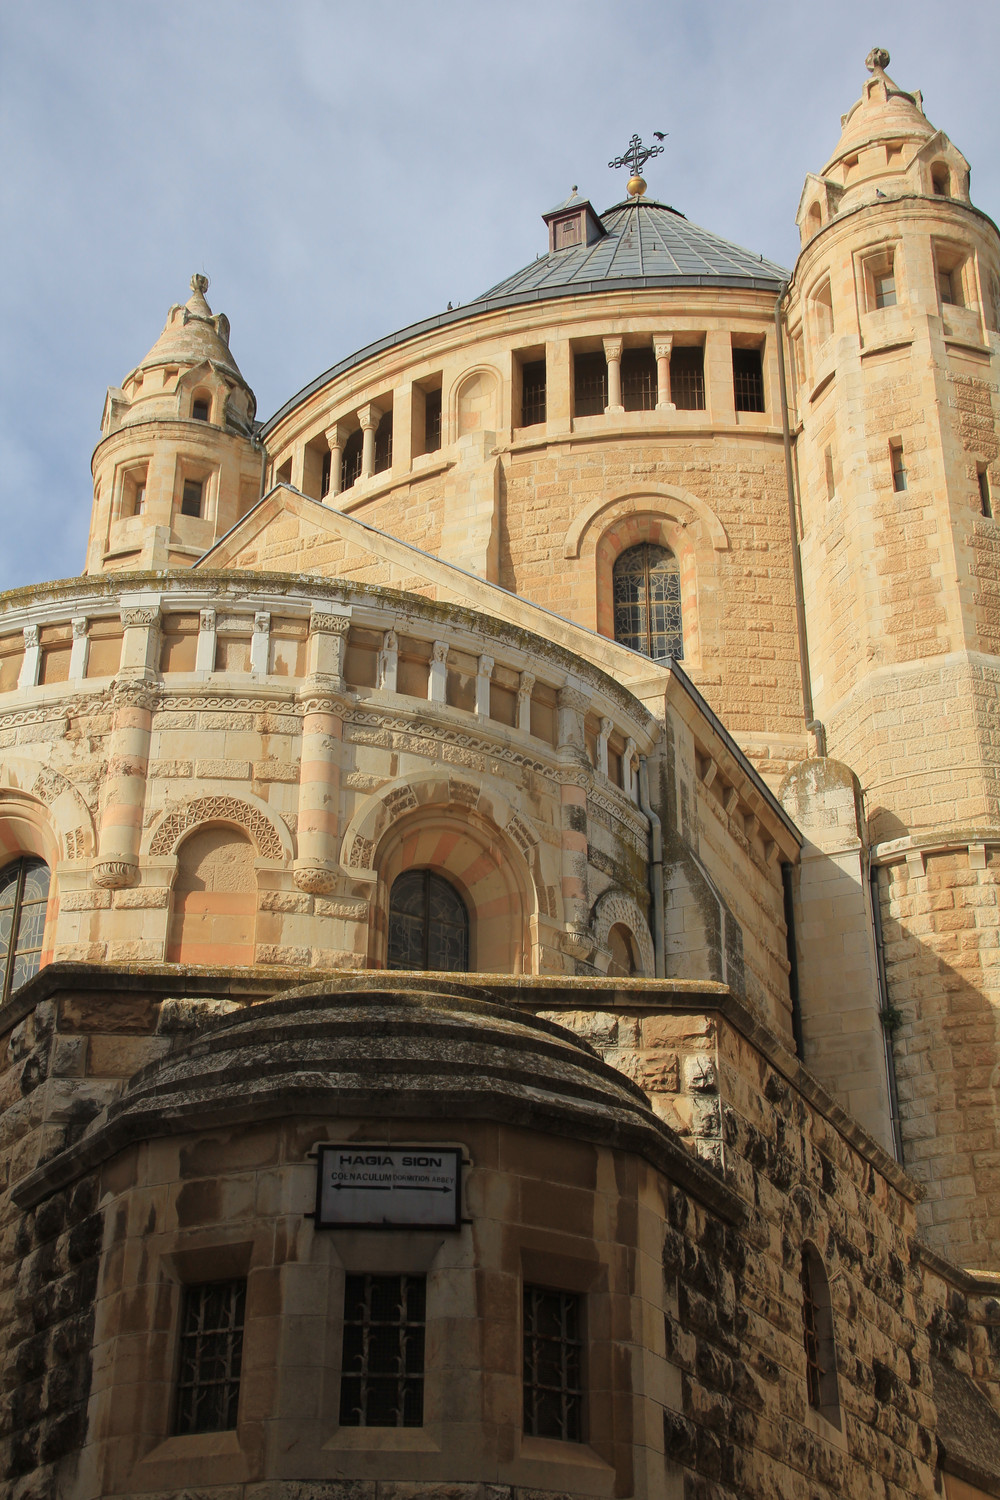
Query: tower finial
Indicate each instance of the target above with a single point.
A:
(636, 157)
(199, 283)
(877, 60)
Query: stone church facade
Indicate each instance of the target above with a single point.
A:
(560, 743)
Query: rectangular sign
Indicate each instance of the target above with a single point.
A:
(388, 1187)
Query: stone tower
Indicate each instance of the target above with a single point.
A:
(176, 466)
(893, 312)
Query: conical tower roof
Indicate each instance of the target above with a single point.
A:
(192, 334)
(884, 112)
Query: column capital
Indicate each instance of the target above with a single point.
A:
(663, 344)
(337, 435)
(612, 349)
(369, 417)
(321, 623)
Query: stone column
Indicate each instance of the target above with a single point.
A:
(613, 355)
(483, 676)
(576, 916)
(325, 650)
(437, 681)
(204, 660)
(336, 436)
(662, 347)
(79, 650)
(388, 662)
(31, 666)
(524, 687)
(134, 702)
(607, 729)
(318, 827)
(628, 772)
(260, 643)
(369, 416)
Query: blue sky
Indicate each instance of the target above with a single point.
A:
(342, 170)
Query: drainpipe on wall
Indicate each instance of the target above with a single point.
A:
(655, 869)
(812, 724)
(885, 1008)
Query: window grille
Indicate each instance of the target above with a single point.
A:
(211, 1356)
(647, 602)
(748, 380)
(383, 443)
(432, 421)
(191, 497)
(351, 462)
(590, 385)
(687, 378)
(638, 379)
(533, 393)
(199, 409)
(24, 894)
(553, 1365)
(382, 1370)
(428, 924)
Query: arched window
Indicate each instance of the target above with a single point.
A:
(623, 958)
(214, 899)
(24, 893)
(428, 924)
(817, 1336)
(647, 596)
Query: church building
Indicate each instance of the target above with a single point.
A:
(499, 937)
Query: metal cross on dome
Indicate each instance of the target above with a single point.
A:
(637, 155)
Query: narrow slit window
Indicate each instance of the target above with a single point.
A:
(382, 1369)
(687, 378)
(818, 1338)
(638, 379)
(590, 385)
(884, 284)
(553, 1365)
(748, 380)
(199, 409)
(533, 393)
(325, 472)
(831, 486)
(192, 496)
(139, 500)
(950, 286)
(432, 421)
(899, 477)
(211, 1356)
(985, 493)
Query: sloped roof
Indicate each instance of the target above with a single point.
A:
(646, 244)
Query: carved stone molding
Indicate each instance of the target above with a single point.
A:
(217, 809)
(125, 693)
(143, 615)
(315, 879)
(322, 624)
(115, 874)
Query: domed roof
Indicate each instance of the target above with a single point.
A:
(192, 334)
(645, 244)
(372, 1048)
(884, 112)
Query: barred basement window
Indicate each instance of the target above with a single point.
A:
(553, 1365)
(647, 602)
(748, 380)
(191, 497)
(817, 1337)
(211, 1356)
(382, 1370)
(428, 924)
(687, 378)
(533, 393)
(24, 894)
(638, 379)
(590, 385)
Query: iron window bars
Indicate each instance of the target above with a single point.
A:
(553, 1365)
(382, 1369)
(211, 1356)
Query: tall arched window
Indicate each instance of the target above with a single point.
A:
(24, 893)
(817, 1336)
(428, 924)
(647, 597)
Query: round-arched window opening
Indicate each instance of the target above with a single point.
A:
(428, 924)
(24, 894)
(623, 955)
(647, 600)
(941, 179)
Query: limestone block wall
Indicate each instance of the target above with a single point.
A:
(696, 1367)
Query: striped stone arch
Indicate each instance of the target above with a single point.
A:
(270, 840)
(62, 809)
(615, 908)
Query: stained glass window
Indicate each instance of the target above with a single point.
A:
(24, 893)
(428, 924)
(647, 600)
(211, 1356)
